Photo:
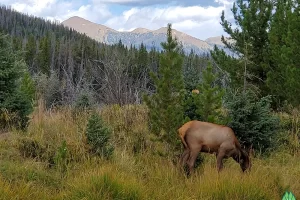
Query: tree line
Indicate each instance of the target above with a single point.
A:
(75, 65)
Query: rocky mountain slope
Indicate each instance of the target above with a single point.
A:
(140, 35)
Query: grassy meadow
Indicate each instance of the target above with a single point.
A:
(32, 165)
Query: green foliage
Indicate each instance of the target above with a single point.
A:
(27, 87)
(83, 102)
(44, 55)
(250, 38)
(266, 43)
(209, 100)
(190, 106)
(166, 104)
(15, 87)
(283, 80)
(193, 67)
(229, 64)
(18, 107)
(98, 136)
(252, 120)
(277, 77)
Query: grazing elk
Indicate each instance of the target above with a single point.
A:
(198, 136)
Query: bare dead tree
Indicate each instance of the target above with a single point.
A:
(114, 84)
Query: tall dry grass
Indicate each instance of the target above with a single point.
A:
(136, 171)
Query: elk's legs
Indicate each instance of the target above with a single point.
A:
(193, 156)
(184, 157)
(220, 156)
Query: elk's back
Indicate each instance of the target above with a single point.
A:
(210, 136)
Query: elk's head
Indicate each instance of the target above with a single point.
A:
(245, 162)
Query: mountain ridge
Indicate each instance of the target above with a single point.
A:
(150, 38)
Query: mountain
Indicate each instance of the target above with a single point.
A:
(149, 38)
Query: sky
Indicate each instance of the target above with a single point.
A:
(198, 18)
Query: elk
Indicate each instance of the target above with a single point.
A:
(197, 136)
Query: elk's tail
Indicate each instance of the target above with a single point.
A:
(182, 132)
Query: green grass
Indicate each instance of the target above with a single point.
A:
(136, 170)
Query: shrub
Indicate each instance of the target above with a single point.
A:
(18, 107)
(98, 136)
(83, 102)
(252, 120)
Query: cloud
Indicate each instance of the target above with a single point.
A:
(60, 10)
(155, 2)
(197, 21)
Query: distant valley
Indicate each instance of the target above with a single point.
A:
(149, 38)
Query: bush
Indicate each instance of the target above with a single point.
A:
(252, 120)
(18, 107)
(83, 102)
(98, 136)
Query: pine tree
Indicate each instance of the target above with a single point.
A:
(291, 56)
(15, 102)
(166, 104)
(283, 79)
(209, 100)
(44, 55)
(276, 77)
(252, 19)
(141, 62)
(30, 51)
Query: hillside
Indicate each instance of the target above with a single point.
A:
(150, 38)
(76, 64)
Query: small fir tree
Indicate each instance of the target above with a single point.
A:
(166, 111)
(252, 120)
(16, 87)
(98, 136)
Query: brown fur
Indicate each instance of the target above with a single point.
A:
(198, 136)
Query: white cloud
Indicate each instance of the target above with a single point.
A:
(201, 22)
(60, 10)
(154, 2)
